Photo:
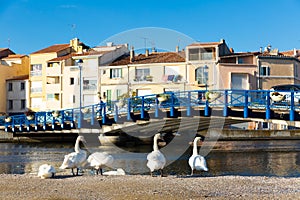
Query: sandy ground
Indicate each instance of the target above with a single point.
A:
(29, 186)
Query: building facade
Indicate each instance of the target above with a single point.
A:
(13, 66)
(46, 73)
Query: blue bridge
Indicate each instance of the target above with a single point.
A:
(246, 104)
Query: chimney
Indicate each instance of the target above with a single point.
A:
(109, 44)
(260, 49)
(153, 50)
(177, 49)
(132, 54)
(147, 53)
(269, 47)
(231, 50)
(222, 41)
(295, 52)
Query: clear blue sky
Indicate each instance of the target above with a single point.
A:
(30, 25)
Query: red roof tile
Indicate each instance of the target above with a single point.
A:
(15, 56)
(165, 57)
(53, 48)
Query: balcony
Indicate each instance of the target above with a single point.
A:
(147, 78)
(53, 71)
(36, 90)
(52, 88)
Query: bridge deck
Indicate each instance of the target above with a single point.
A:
(246, 104)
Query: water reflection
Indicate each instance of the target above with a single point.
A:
(26, 158)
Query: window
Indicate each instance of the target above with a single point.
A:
(23, 103)
(53, 97)
(72, 81)
(10, 104)
(89, 84)
(201, 75)
(141, 74)
(22, 86)
(36, 70)
(116, 73)
(240, 60)
(74, 99)
(118, 91)
(36, 87)
(10, 87)
(201, 54)
(265, 70)
(194, 54)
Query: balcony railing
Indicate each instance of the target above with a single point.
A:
(143, 78)
(35, 73)
(36, 90)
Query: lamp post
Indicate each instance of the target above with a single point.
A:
(206, 76)
(80, 63)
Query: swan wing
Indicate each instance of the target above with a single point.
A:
(46, 171)
(156, 160)
(198, 162)
(74, 159)
(98, 159)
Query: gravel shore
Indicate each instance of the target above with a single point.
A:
(66, 187)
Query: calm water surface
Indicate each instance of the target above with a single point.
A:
(27, 157)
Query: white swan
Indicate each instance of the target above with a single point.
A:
(75, 159)
(46, 171)
(98, 160)
(196, 161)
(156, 160)
(118, 172)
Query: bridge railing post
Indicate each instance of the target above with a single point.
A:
(93, 115)
(143, 108)
(116, 116)
(189, 107)
(292, 107)
(103, 113)
(156, 107)
(206, 108)
(128, 109)
(172, 107)
(268, 107)
(62, 119)
(225, 108)
(246, 109)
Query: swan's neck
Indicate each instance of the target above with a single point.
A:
(77, 147)
(195, 152)
(155, 146)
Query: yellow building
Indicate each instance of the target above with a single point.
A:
(149, 73)
(45, 77)
(12, 66)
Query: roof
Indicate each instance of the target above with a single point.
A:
(53, 49)
(23, 77)
(241, 54)
(13, 56)
(2, 49)
(161, 57)
(204, 44)
(91, 52)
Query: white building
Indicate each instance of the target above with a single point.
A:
(17, 93)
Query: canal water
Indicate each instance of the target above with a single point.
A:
(25, 158)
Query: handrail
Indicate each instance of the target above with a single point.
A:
(206, 99)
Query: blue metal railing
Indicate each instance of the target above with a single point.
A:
(225, 99)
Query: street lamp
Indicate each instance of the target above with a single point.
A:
(80, 63)
(206, 76)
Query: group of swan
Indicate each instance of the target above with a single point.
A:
(156, 160)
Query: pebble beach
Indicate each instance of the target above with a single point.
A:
(67, 187)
